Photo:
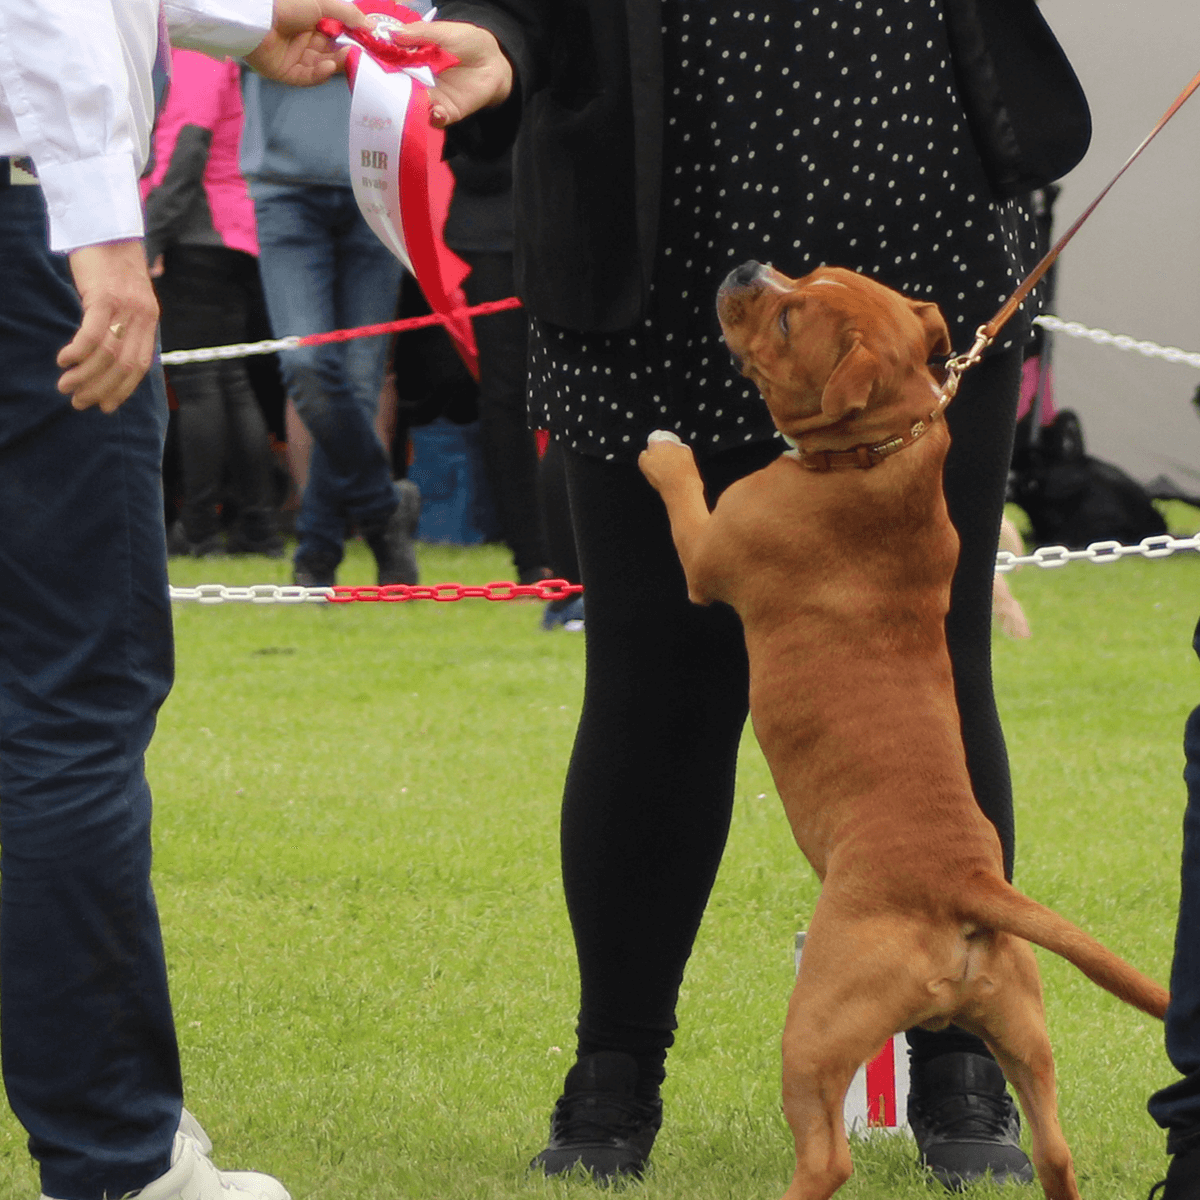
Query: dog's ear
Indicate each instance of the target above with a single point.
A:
(848, 388)
(937, 336)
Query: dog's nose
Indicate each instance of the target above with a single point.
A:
(744, 275)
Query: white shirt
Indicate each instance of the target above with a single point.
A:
(76, 97)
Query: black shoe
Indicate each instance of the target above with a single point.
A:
(314, 571)
(599, 1123)
(965, 1123)
(391, 540)
(1183, 1175)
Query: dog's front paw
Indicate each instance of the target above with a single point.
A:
(663, 435)
(665, 458)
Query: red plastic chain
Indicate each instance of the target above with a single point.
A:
(445, 593)
(402, 326)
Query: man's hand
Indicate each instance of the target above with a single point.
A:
(114, 347)
(294, 52)
(484, 77)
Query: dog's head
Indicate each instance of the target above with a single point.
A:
(829, 346)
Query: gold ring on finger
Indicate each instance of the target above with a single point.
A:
(117, 330)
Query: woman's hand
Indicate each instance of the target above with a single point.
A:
(483, 78)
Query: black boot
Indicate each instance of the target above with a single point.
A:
(965, 1123)
(391, 540)
(599, 1122)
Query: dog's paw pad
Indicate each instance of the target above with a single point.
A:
(663, 435)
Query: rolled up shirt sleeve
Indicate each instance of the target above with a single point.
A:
(66, 86)
(220, 28)
(76, 97)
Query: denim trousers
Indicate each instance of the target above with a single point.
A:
(322, 269)
(1177, 1107)
(89, 1055)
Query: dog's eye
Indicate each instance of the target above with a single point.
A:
(783, 320)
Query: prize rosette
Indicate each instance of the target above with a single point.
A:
(402, 186)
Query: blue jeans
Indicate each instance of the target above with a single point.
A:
(1177, 1107)
(323, 269)
(90, 1060)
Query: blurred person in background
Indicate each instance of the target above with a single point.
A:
(322, 269)
(200, 234)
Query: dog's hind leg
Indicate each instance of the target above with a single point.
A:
(852, 993)
(1012, 1020)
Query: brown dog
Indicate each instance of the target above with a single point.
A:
(838, 558)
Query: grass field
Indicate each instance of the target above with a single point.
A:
(356, 840)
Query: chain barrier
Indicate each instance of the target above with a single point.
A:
(1159, 546)
(171, 358)
(393, 593)
(174, 358)
(1122, 341)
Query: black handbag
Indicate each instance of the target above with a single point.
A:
(1026, 109)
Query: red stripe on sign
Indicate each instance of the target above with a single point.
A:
(881, 1087)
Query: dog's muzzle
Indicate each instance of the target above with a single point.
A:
(748, 274)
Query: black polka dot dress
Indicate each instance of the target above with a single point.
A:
(800, 134)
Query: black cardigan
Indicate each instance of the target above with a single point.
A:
(586, 116)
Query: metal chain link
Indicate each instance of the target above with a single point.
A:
(1122, 341)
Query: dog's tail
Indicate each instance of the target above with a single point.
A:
(998, 905)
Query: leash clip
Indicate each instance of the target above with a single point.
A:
(957, 366)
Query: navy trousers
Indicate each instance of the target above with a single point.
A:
(1177, 1107)
(90, 1060)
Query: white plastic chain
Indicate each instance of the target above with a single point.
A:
(1122, 341)
(174, 358)
(1161, 545)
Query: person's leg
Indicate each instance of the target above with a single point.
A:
(201, 424)
(560, 537)
(305, 281)
(89, 1053)
(247, 444)
(964, 1120)
(1177, 1107)
(509, 447)
(649, 790)
(367, 288)
(194, 300)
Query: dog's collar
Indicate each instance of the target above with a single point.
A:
(868, 454)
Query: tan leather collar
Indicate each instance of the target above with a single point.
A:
(868, 454)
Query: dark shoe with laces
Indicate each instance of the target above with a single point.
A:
(965, 1123)
(600, 1124)
(391, 540)
(1183, 1175)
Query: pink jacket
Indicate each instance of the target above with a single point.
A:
(195, 194)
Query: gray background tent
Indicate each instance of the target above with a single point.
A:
(1134, 268)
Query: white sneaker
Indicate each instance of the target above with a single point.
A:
(190, 1127)
(193, 1177)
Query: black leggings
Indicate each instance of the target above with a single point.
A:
(649, 790)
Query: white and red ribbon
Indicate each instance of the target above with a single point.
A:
(402, 186)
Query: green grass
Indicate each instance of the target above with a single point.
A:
(356, 841)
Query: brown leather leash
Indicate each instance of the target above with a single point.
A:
(986, 334)
(864, 456)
